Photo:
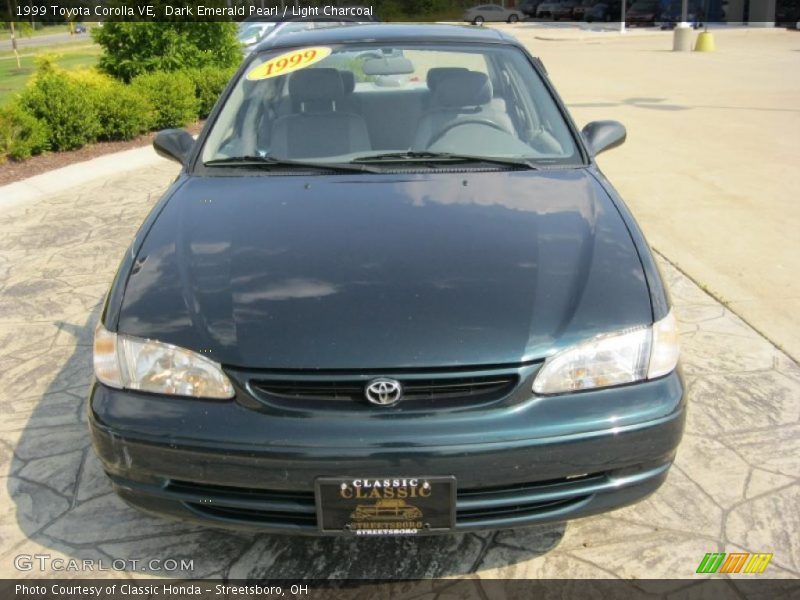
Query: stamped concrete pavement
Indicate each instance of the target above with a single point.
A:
(735, 486)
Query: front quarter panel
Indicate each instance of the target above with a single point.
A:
(113, 302)
(659, 295)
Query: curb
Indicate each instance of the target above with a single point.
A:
(61, 179)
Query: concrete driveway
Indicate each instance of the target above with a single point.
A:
(735, 486)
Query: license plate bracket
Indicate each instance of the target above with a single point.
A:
(385, 506)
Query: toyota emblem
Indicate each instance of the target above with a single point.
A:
(383, 392)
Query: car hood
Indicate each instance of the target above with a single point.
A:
(385, 271)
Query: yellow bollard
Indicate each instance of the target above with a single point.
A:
(705, 42)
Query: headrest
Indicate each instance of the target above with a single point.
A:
(348, 81)
(436, 75)
(316, 84)
(468, 88)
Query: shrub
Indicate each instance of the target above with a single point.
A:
(67, 107)
(209, 82)
(171, 94)
(123, 113)
(88, 78)
(131, 49)
(46, 62)
(21, 134)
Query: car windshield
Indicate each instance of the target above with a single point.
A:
(379, 104)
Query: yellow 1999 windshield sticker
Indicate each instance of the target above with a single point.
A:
(286, 63)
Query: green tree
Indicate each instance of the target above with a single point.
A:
(131, 49)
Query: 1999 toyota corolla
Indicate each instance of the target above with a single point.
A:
(389, 293)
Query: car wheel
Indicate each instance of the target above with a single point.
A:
(513, 18)
(477, 21)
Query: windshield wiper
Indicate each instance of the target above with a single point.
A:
(447, 157)
(271, 161)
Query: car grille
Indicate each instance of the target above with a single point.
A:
(297, 510)
(418, 392)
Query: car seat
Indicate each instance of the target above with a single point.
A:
(320, 126)
(458, 95)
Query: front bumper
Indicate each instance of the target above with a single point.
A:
(515, 465)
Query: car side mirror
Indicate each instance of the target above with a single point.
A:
(603, 135)
(174, 144)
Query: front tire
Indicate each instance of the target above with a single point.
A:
(513, 18)
(477, 21)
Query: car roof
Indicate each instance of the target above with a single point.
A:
(386, 32)
(320, 18)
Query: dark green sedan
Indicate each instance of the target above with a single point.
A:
(390, 293)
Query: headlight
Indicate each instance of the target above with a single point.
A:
(123, 361)
(612, 359)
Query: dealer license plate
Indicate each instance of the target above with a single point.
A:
(385, 506)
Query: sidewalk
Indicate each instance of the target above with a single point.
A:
(58, 180)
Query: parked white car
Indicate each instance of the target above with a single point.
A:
(492, 12)
(252, 33)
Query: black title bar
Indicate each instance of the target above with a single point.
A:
(153, 589)
(209, 10)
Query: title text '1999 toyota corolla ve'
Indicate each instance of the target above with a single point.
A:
(389, 293)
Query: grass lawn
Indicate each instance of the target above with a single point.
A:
(12, 79)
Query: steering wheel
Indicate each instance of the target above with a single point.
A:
(452, 125)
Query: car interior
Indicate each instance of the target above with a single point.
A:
(324, 116)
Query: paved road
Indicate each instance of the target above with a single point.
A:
(52, 39)
(736, 484)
